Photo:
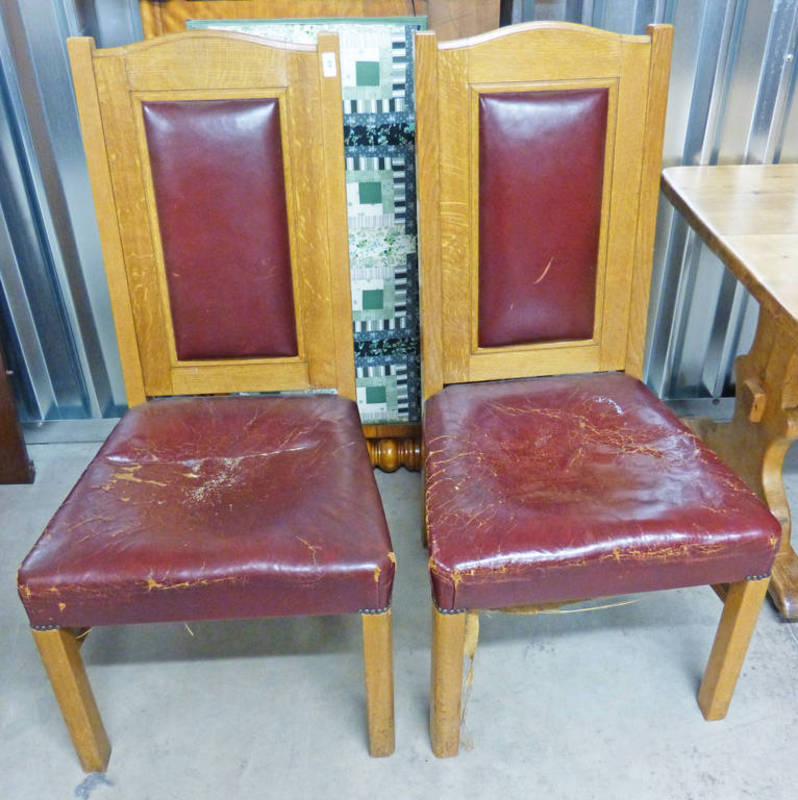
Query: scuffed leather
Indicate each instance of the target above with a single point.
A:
(217, 508)
(541, 170)
(562, 488)
(217, 169)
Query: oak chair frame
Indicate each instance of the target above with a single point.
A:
(449, 78)
(110, 86)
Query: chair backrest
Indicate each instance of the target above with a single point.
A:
(217, 165)
(539, 150)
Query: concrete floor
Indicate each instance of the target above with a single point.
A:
(598, 704)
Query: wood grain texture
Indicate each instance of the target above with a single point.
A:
(389, 454)
(455, 19)
(454, 209)
(378, 659)
(755, 442)
(740, 612)
(451, 18)
(81, 54)
(130, 208)
(393, 446)
(111, 86)
(627, 153)
(533, 360)
(560, 57)
(338, 246)
(59, 653)
(446, 681)
(396, 430)
(450, 78)
(218, 377)
(658, 77)
(311, 207)
(428, 166)
(159, 18)
(748, 216)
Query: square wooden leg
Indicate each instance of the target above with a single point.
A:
(740, 612)
(378, 658)
(59, 651)
(448, 642)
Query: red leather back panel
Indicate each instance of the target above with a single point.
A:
(541, 168)
(217, 168)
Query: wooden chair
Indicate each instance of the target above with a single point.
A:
(216, 161)
(552, 474)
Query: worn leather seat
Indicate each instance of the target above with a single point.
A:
(217, 508)
(562, 488)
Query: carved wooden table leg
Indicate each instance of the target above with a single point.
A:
(755, 442)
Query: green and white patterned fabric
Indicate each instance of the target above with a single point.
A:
(379, 143)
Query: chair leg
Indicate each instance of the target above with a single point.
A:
(740, 612)
(448, 644)
(378, 658)
(59, 653)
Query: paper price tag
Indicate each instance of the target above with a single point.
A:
(328, 67)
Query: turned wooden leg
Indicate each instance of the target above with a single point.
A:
(740, 612)
(390, 454)
(59, 653)
(448, 643)
(378, 658)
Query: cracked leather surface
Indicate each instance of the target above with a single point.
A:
(541, 171)
(217, 508)
(205, 156)
(563, 488)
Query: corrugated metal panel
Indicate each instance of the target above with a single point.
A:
(57, 323)
(40, 346)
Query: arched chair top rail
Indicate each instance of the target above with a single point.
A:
(180, 40)
(523, 28)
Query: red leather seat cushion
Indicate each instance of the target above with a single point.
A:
(216, 508)
(562, 488)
